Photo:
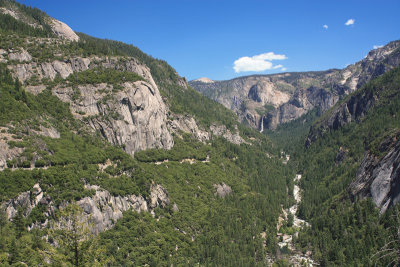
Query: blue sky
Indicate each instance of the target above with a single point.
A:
(223, 39)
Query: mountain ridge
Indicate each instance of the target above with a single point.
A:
(306, 90)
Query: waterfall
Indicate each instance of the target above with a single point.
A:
(262, 124)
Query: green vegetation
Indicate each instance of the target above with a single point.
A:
(9, 24)
(29, 16)
(265, 109)
(18, 106)
(258, 185)
(203, 109)
(290, 137)
(96, 76)
(225, 231)
(344, 232)
(198, 227)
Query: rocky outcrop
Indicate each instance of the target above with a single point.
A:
(102, 209)
(63, 30)
(187, 124)
(134, 117)
(20, 56)
(222, 190)
(294, 94)
(204, 80)
(49, 132)
(175, 208)
(26, 200)
(51, 70)
(7, 153)
(353, 108)
(158, 196)
(221, 130)
(379, 177)
(334, 84)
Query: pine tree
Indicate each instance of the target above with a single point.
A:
(19, 222)
(71, 233)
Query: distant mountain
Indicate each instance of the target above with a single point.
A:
(265, 101)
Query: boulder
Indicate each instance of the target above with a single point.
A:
(222, 190)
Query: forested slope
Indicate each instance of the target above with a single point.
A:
(338, 200)
(190, 201)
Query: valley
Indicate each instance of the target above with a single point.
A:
(108, 157)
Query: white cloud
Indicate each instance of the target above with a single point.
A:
(258, 62)
(325, 26)
(277, 67)
(283, 69)
(350, 22)
(377, 46)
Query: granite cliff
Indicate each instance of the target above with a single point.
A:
(379, 176)
(265, 101)
(102, 209)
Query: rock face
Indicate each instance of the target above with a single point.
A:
(221, 130)
(65, 68)
(158, 196)
(244, 95)
(134, 117)
(187, 124)
(26, 200)
(291, 95)
(63, 30)
(20, 56)
(16, 14)
(7, 153)
(102, 209)
(379, 177)
(301, 102)
(50, 70)
(204, 80)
